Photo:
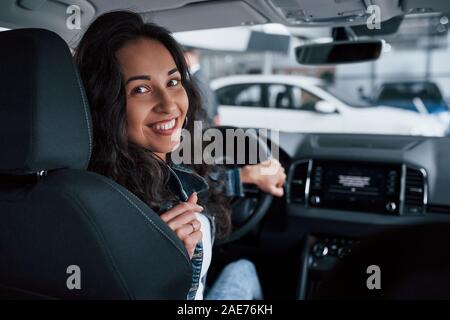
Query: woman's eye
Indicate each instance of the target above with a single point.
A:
(141, 89)
(174, 82)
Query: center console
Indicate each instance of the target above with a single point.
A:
(321, 253)
(330, 188)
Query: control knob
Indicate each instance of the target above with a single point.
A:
(315, 200)
(320, 250)
(391, 206)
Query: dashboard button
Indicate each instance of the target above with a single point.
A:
(391, 206)
(320, 250)
(342, 252)
(315, 200)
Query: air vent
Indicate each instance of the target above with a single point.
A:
(297, 182)
(415, 192)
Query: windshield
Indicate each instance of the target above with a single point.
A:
(257, 82)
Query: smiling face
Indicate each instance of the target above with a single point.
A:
(157, 103)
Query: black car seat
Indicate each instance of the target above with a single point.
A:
(66, 232)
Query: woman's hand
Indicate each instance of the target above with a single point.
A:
(183, 221)
(269, 176)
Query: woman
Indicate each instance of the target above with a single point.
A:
(140, 94)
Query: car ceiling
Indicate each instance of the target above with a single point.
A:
(184, 15)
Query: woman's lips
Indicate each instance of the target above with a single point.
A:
(165, 128)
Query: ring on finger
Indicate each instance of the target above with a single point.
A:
(194, 229)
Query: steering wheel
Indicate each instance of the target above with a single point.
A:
(247, 211)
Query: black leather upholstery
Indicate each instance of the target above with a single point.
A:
(70, 216)
(44, 117)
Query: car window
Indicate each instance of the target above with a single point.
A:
(304, 99)
(279, 96)
(289, 97)
(247, 95)
(405, 91)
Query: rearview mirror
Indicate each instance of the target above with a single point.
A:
(339, 52)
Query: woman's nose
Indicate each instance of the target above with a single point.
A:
(166, 102)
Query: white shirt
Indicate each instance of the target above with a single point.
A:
(207, 253)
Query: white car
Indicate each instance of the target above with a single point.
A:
(302, 104)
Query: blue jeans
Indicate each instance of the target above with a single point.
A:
(237, 281)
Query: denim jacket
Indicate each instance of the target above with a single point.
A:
(183, 182)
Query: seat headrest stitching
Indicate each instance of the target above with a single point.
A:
(77, 75)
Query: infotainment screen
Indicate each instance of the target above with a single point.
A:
(361, 186)
(361, 181)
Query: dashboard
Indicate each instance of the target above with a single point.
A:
(373, 179)
(343, 188)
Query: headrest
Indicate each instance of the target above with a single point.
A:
(44, 117)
